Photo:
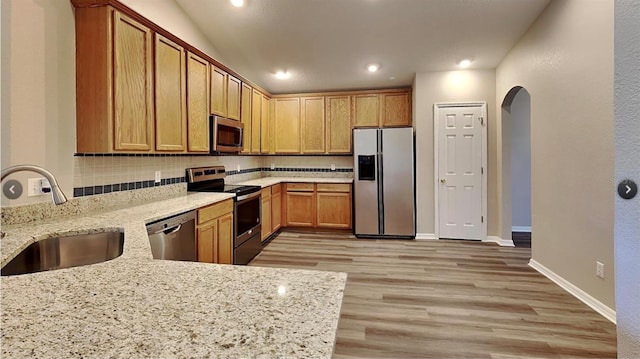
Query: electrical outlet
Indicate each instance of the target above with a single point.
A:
(273, 166)
(238, 167)
(600, 269)
(158, 177)
(45, 186)
(333, 167)
(34, 186)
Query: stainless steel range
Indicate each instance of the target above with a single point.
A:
(247, 210)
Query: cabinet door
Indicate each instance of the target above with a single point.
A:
(218, 91)
(171, 99)
(266, 216)
(197, 104)
(395, 109)
(207, 238)
(132, 85)
(225, 239)
(265, 138)
(366, 109)
(338, 124)
(245, 116)
(334, 210)
(287, 125)
(233, 98)
(312, 124)
(300, 209)
(256, 119)
(276, 210)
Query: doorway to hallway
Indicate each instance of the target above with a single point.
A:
(516, 124)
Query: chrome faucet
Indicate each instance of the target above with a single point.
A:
(56, 192)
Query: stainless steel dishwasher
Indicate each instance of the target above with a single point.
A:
(174, 238)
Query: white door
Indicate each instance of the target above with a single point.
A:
(461, 160)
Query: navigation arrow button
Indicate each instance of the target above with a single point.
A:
(12, 189)
(627, 189)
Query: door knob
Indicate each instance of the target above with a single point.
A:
(443, 180)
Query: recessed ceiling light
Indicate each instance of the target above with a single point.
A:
(282, 75)
(237, 3)
(464, 63)
(373, 67)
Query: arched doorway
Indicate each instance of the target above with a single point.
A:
(516, 140)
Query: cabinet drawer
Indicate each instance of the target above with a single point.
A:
(214, 211)
(334, 187)
(275, 189)
(300, 187)
(266, 193)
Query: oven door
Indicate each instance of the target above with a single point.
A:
(248, 214)
(227, 135)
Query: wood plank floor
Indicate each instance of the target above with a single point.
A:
(444, 299)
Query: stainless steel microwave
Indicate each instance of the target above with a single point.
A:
(226, 135)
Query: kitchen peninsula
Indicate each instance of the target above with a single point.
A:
(136, 307)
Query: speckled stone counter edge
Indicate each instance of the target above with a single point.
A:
(90, 204)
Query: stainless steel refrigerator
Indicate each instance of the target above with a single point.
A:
(384, 187)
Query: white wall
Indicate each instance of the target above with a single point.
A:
(38, 90)
(448, 86)
(521, 160)
(565, 61)
(627, 165)
(170, 16)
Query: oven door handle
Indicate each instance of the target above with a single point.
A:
(249, 196)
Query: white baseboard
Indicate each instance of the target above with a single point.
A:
(500, 241)
(425, 236)
(583, 296)
(521, 229)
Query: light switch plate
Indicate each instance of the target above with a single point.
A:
(333, 167)
(158, 177)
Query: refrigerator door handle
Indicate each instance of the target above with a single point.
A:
(380, 184)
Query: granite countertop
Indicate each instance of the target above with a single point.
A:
(270, 181)
(136, 307)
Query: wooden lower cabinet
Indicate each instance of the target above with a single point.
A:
(300, 209)
(333, 208)
(215, 233)
(318, 206)
(276, 207)
(266, 214)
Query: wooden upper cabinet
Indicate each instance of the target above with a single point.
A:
(287, 125)
(170, 101)
(265, 125)
(338, 124)
(256, 119)
(114, 82)
(312, 124)
(366, 110)
(245, 116)
(395, 109)
(133, 85)
(197, 104)
(218, 91)
(233, 98)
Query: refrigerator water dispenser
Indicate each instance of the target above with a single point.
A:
(367, 168)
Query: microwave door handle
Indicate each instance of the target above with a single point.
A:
(241, 137)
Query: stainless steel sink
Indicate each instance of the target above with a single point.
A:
(67, 251)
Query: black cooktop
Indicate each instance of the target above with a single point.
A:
(211, 179)
(239, 190)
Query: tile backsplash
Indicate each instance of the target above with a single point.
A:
(104, 174)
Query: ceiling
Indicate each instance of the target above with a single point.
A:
(327, 44)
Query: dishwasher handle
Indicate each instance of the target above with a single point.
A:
(171, 224)
(168, 231)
